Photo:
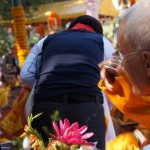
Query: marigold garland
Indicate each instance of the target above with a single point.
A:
(54, 20)
(21, 41)
(41, 30)
(132, 2)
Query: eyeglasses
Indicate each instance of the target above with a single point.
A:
(119, 57)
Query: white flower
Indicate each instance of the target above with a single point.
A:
(26, 143)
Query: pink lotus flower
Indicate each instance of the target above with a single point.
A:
(71, 135)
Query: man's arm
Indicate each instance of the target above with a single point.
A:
(31, 65)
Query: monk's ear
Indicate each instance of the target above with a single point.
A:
(146, 60)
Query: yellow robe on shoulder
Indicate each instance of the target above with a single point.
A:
(135, 107)
(12, 123)
(4, 93)
(3, 96)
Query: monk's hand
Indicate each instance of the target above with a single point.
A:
(108, 73)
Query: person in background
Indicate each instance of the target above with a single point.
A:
(3, 85)
(65, 68)
(11, 97)
(129, 91)
(9, 59)
(9, 79)
(12, 113)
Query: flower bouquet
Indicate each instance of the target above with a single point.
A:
(68, 137)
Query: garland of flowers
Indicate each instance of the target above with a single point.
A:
(132, 2)
(54, 21)
(21, 42)
(41, 30)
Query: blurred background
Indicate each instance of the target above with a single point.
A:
(42, 17)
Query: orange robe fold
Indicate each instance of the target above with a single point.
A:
(133, 106)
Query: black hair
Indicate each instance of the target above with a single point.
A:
(88, 20)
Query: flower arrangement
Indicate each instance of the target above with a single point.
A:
(68, 137)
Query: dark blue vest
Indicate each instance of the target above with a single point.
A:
(69, 64)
